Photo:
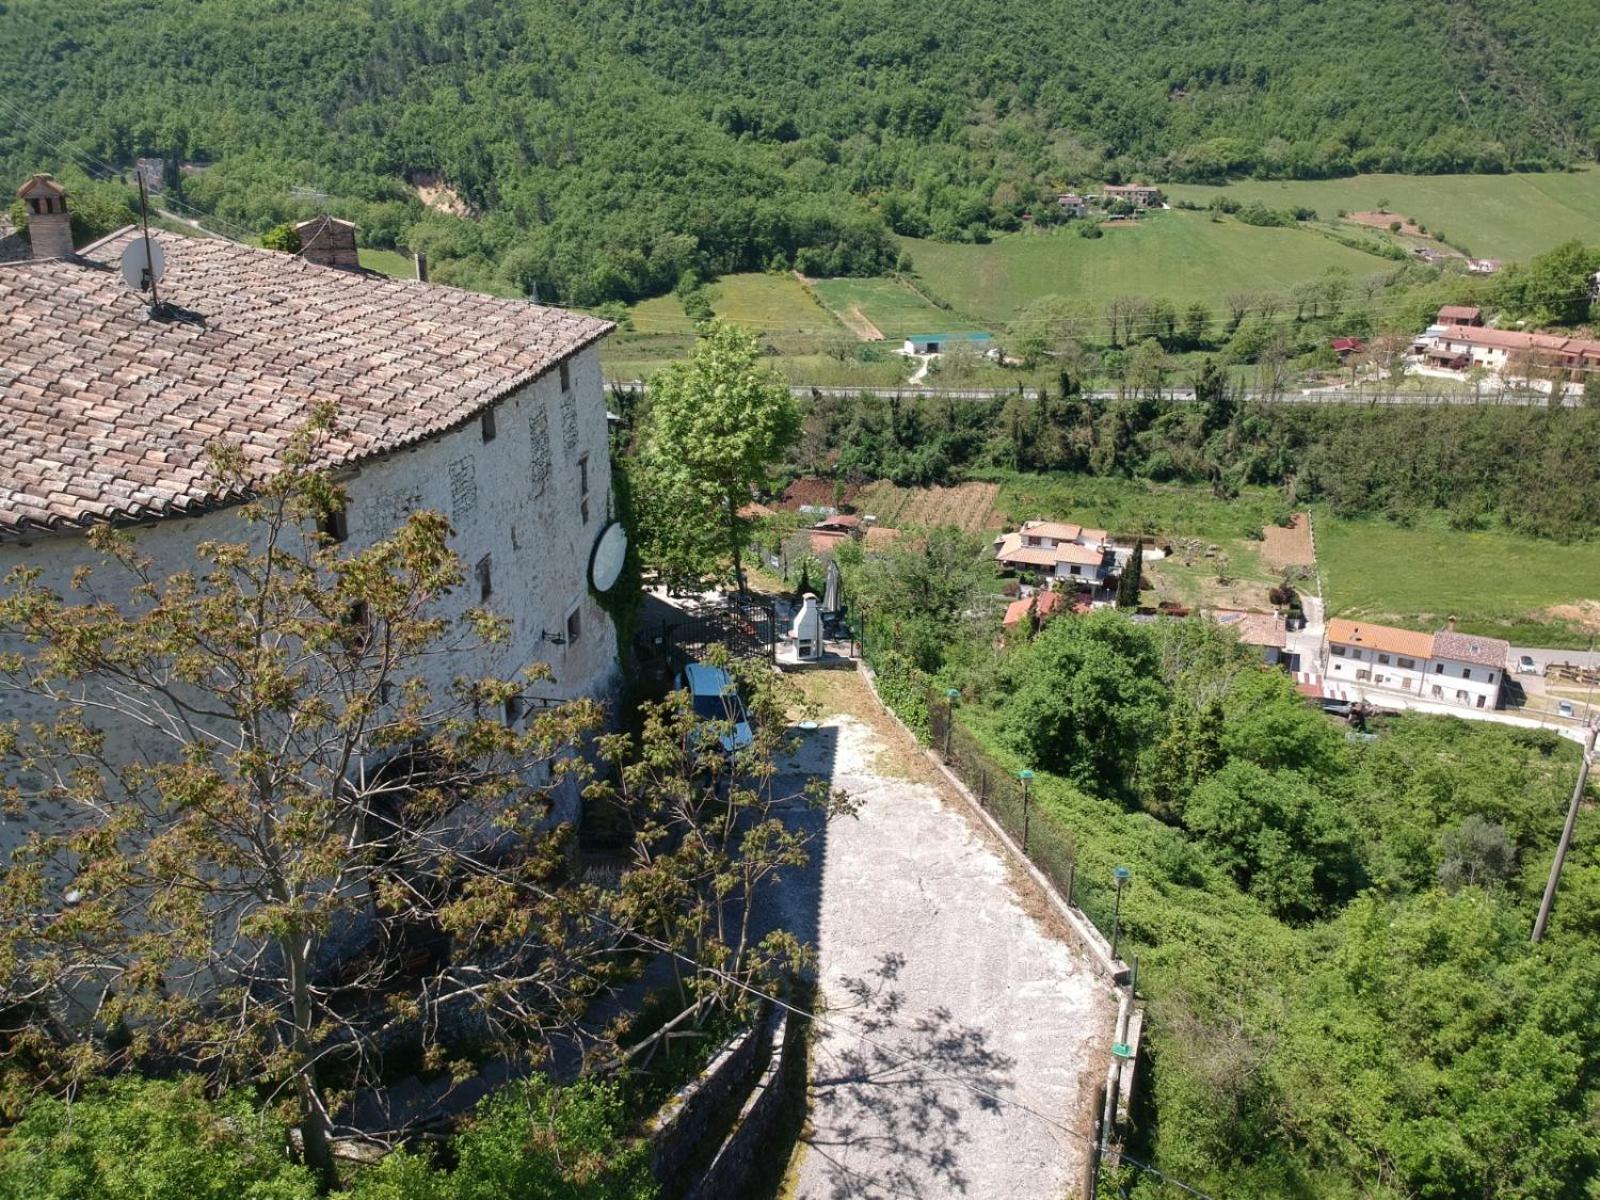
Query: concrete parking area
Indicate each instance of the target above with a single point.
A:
(963, 1030)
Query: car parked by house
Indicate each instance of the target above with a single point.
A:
(718, 707)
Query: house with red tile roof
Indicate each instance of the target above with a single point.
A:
(489, 411)
(1057, 550)
(1378, 663)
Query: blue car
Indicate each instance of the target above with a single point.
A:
(716, 698)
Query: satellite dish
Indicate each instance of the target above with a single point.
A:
(142, 263)
(610, 552)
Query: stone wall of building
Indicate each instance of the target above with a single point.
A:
(513, 500)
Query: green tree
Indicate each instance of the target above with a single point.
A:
(1284, 841)
(715, 427)
(315, 784)
(1083, 699)
(530, 1141)
(282, 237)
(1128, 584)
(137, 1139)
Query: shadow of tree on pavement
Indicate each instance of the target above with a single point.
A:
(890, 1090)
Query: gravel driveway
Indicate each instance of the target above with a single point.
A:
(931, 949)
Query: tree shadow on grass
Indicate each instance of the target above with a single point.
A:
(890, 1091)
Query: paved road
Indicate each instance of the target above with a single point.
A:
(927, 953)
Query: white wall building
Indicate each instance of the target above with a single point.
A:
(488, 411)
(1383, 665)
(1057, 550)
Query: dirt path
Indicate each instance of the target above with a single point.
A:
(962, 1029)
(856, 321)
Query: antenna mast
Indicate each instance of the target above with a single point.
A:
(149, 254)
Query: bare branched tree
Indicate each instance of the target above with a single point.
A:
(311, 854)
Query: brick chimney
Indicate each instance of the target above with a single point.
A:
(328, 241)
(49, 226)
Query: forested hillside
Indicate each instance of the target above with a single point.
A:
(605, 149)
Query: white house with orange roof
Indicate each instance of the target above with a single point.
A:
(1364, 662)
(1057, 550)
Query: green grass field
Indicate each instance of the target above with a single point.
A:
(388, 262)
(1127, 506)
(890, 305)
(770, 305)
(1495, 583)
(1181, 256)
(1494, 216)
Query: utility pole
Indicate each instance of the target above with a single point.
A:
(1566, 834)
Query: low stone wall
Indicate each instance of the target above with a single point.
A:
(729, 1171)
(678, 1130)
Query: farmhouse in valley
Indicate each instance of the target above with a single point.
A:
(1141, 194)
(1057, 551)
(1072, 204)
(489, 411)
(1363, 662)
(1459, 345)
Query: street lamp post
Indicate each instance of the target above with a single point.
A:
(1121, 875)
(1025, 776)
(951, 695)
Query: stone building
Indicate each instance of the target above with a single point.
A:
(489, 411)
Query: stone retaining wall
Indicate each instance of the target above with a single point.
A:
(678, 1130)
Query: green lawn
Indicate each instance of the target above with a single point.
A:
(1126, 506)
(660, 314)
(770, 305)
(1495, 583)
(1181, 256)
(388, 262)
(889, 304)
(1493, 216)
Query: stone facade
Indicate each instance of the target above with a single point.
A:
(533, 527)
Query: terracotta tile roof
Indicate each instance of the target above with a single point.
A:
(1255, 628)
(1043, 604)
(1469, 648)
(1459, 312)
(1017, 611)
(1028, 556)
(841, 521)
(107, 413)
(825, 541)
(1061, 531)
(1082, 556)
(1380, 637)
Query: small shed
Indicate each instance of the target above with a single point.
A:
(943, 343)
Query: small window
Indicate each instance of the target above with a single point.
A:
(1338, 651)
(1491, 676)
(566, 378)
(574, 626)
(333, 525)
(488, 424)
(1384, 659)
(1409, 664)
(513, 708)
(1438, 668)
(485, 578)
(1466, 672)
